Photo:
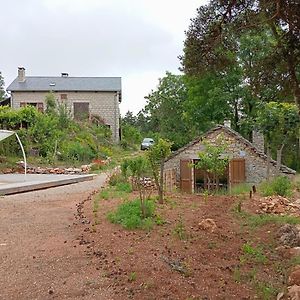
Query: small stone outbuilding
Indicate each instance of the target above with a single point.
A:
(247, 161)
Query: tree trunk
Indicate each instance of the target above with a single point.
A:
(268, 162)
(279, 157)
(161, 183)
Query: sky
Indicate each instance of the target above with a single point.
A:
(138, 40)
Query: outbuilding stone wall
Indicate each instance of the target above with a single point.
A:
(256, 166)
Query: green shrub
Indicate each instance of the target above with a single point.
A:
(123, 187)
(280, 185)
(129, 215)
(116, 178)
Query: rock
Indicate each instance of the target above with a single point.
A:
(85, 168)
(289, 235)
(208, 225)
(280, 296)
(287, 252)
(294, 278)
(294, 292)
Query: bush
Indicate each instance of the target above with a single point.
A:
(123, 187)
(280, 185)
(129, 215)
(116, 178)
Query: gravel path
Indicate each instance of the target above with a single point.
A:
(40, 255)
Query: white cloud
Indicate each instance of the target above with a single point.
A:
(136, 39)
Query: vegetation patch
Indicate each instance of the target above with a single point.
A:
(280, 185)
(129, 215)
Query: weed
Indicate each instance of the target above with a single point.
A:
(265, 290)
(240, 189)
(252, 254)
(159, 220)
(123, 187)
(180, 230)
(104, 194)
(128, 214)
(132, 277)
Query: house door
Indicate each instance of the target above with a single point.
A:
(81, 110)
(237, 171)
(186, 176)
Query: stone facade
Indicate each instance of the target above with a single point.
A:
(103, 104)
(238, 147)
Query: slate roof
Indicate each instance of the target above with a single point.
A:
(238, 137)
(67, 84)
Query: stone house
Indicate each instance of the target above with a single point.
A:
(247, 161)
(85, 97)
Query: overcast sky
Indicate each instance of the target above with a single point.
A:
(137, 40)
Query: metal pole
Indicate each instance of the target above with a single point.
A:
(25, 162)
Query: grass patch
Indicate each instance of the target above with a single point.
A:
(123, 187)
(240, 189)
(129, 215)
(252, 254)
(261, 220)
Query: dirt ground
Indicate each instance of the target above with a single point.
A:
(40, 254)
(51, 248)
(201, 265)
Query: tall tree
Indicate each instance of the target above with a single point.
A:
(216, 33)
(165, 109)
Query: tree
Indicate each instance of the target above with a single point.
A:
(2, 91)
(216, 34)
(138, 168)
(165, 110)
(279, 122)
(213, 161)
(157, 156)
(51, 106)
(129, 119)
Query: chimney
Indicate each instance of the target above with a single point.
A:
(64, 74)
(258, 140)
(227, 123)
(21, 74)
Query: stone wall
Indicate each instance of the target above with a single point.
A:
(256, 166)
(103, 104)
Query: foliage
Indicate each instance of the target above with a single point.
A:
(129, 215)
(2, 91)
(280, 185)
(240, 189)
(157, 155)
(164, 111)
(260, 36)
(253, 254)
(116, 178)
(138, 168)
(131, 137)
(123, 187)
(180, 230)
(279, 122)
(213, 160)
(54, 135)
(51, 107)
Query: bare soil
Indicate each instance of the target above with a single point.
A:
(52, 246)
(200, 265)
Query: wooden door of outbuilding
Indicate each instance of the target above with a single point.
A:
(186, 176)
(237, 171)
